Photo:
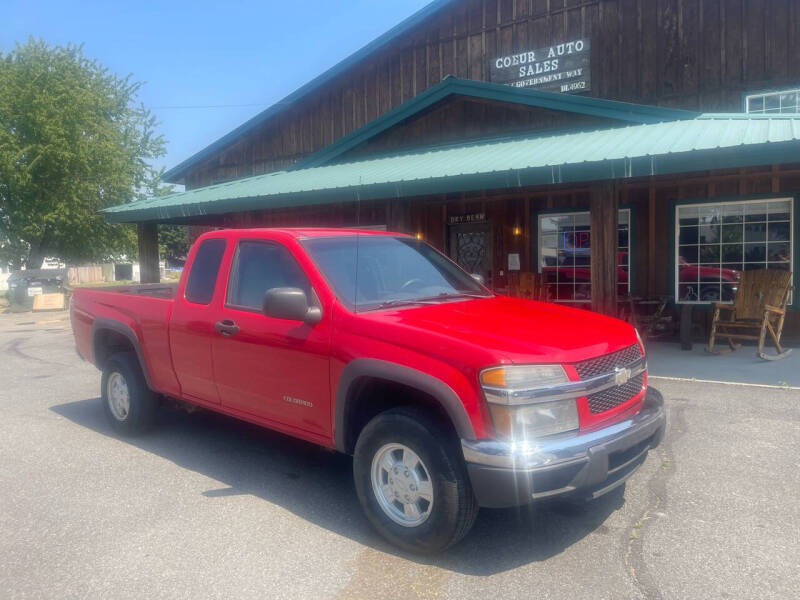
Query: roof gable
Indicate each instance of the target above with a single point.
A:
(623, 112)
(465, 119)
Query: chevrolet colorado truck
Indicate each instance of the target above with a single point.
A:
(448, 396)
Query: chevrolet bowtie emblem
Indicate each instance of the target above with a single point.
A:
(621, 375)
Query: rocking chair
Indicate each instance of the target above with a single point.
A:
(758, 308)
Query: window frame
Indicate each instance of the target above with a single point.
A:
(748, 96)
(675, 240)
(557, 212)
(233, 275)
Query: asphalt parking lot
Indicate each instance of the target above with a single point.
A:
(206, 506)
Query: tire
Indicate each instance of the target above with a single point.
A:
(136, 415)
(397, 434)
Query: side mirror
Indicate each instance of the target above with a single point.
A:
(479, 278)
(291, 304)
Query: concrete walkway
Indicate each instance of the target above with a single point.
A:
(666, 359)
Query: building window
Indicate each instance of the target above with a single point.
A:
(785, 101)
(564, 255)
(716, 241)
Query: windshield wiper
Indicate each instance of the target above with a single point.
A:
(406, 302)
(427, 300)
(448, 295)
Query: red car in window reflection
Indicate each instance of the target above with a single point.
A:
(698, 283)
(701, 283)
(572, 282)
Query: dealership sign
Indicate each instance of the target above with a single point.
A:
(559, 68)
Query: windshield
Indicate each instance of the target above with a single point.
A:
(391, 271)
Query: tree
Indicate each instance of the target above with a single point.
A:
(73, 140)
(173, 242)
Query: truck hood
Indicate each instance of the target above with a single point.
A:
(509, 329)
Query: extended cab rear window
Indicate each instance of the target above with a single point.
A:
(205, 268)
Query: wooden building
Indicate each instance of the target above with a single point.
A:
(657, 140)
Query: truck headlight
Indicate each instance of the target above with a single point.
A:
(517, 415)
(529, 421)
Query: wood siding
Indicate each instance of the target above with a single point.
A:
(694, 54)
(459, 119)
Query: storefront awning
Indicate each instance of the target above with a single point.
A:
(711, 141)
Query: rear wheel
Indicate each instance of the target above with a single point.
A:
(129, 404)
(412, 482)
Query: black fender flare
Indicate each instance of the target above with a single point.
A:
(389, 371)
(101, 324)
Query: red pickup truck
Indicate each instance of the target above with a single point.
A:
(448, 396)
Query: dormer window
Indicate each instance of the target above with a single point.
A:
(784, 101)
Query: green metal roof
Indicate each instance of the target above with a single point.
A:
(455, 86)
(706, 142)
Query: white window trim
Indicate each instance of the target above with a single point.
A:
(569, 213)
(764, 95)
(676, 237)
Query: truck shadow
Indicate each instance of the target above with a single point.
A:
(317, 485)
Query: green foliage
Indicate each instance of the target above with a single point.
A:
(173, 241)
(73, 140)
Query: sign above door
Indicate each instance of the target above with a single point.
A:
(468, 218)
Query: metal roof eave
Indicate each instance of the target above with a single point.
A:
(667, 164)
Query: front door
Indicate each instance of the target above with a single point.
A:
(471, 247)
(275, 369)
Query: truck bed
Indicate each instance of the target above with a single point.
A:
(140, 310)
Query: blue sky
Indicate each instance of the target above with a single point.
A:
(201, 53)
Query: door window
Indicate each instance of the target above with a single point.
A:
(261, 266)
(205, 267)
(471, 248)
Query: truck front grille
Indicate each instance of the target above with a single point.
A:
(608, 362)
(613, 397)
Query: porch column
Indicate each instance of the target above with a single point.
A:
(604, 206)
(149, 271)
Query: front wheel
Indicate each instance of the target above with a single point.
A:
(412, 482)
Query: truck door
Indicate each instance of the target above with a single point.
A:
(191, 325)
(276, 369)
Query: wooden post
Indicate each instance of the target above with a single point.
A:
(149, 271)
(651, 239)
(604, 206)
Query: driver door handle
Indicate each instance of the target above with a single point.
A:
(226, 327)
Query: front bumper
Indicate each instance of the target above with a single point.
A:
(579, 464)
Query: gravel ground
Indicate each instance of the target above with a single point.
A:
(206, 506)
